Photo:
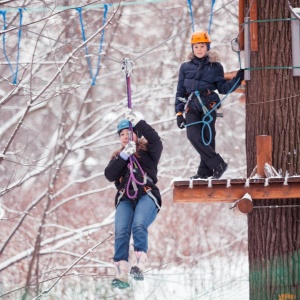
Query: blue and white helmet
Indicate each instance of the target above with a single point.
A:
(123, 124)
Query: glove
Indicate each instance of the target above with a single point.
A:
(181, 121)
(240, 74)
(131, 116)
(129, 149)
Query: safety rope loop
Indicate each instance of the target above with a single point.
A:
(207, 124)
(15, 73)
(106, 6)
(93, 77)
(211, 15)
(132, 179)
(235, 46)
(207, 114)
(79, 10)
(191, 13)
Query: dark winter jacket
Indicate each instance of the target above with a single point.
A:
(204, 75)
(148, 159)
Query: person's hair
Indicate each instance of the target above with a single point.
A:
(141, 144)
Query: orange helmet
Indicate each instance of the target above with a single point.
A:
(200, 37)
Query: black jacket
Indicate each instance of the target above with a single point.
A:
(204, 75)
(117, 168)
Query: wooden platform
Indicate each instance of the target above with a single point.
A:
(230, 190)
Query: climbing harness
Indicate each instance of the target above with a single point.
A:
(133, 165)
(207, 118)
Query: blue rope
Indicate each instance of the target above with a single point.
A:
(106, 6)
(15, 73)
(93, 77)
(211, 15)
(208, 115)
(191, 13)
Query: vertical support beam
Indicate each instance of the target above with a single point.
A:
(296, 41)
(254, 26)
(247, 48)
(263, 153)
(241, 21)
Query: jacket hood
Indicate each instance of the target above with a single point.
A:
(213, 56)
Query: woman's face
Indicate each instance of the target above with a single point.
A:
(124, 137)
(200, 49)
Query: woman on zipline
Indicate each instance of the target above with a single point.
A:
(198, 79)
(133, 168)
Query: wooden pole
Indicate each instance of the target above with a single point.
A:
(241, 21)
(244, 205)
(253, 26)
(263, 153)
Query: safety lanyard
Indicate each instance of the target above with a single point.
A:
(133, 162)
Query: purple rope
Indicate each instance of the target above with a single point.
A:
(132, 158)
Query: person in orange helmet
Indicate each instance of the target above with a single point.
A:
(202, 74)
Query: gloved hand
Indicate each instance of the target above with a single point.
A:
(129, 149)
(181, 121)
(131, 116)
(240, 74)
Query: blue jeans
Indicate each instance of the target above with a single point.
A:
(136, 218)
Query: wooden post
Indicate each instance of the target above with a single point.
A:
(243, 206)
(254, 26)
(241, 21)
(263, 153)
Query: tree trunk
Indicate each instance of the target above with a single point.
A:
(273, 109)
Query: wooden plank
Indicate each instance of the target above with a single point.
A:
(203, 191)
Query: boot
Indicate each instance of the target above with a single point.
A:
(199, 176)
(121, 279)
(219, 170)
(139, 265)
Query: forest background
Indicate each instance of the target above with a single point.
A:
(58, 131)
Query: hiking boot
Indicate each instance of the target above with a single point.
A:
(121, 279)
(199, 176)
(139, 265)
(219, 170)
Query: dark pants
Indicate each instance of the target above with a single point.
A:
(209, 159)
